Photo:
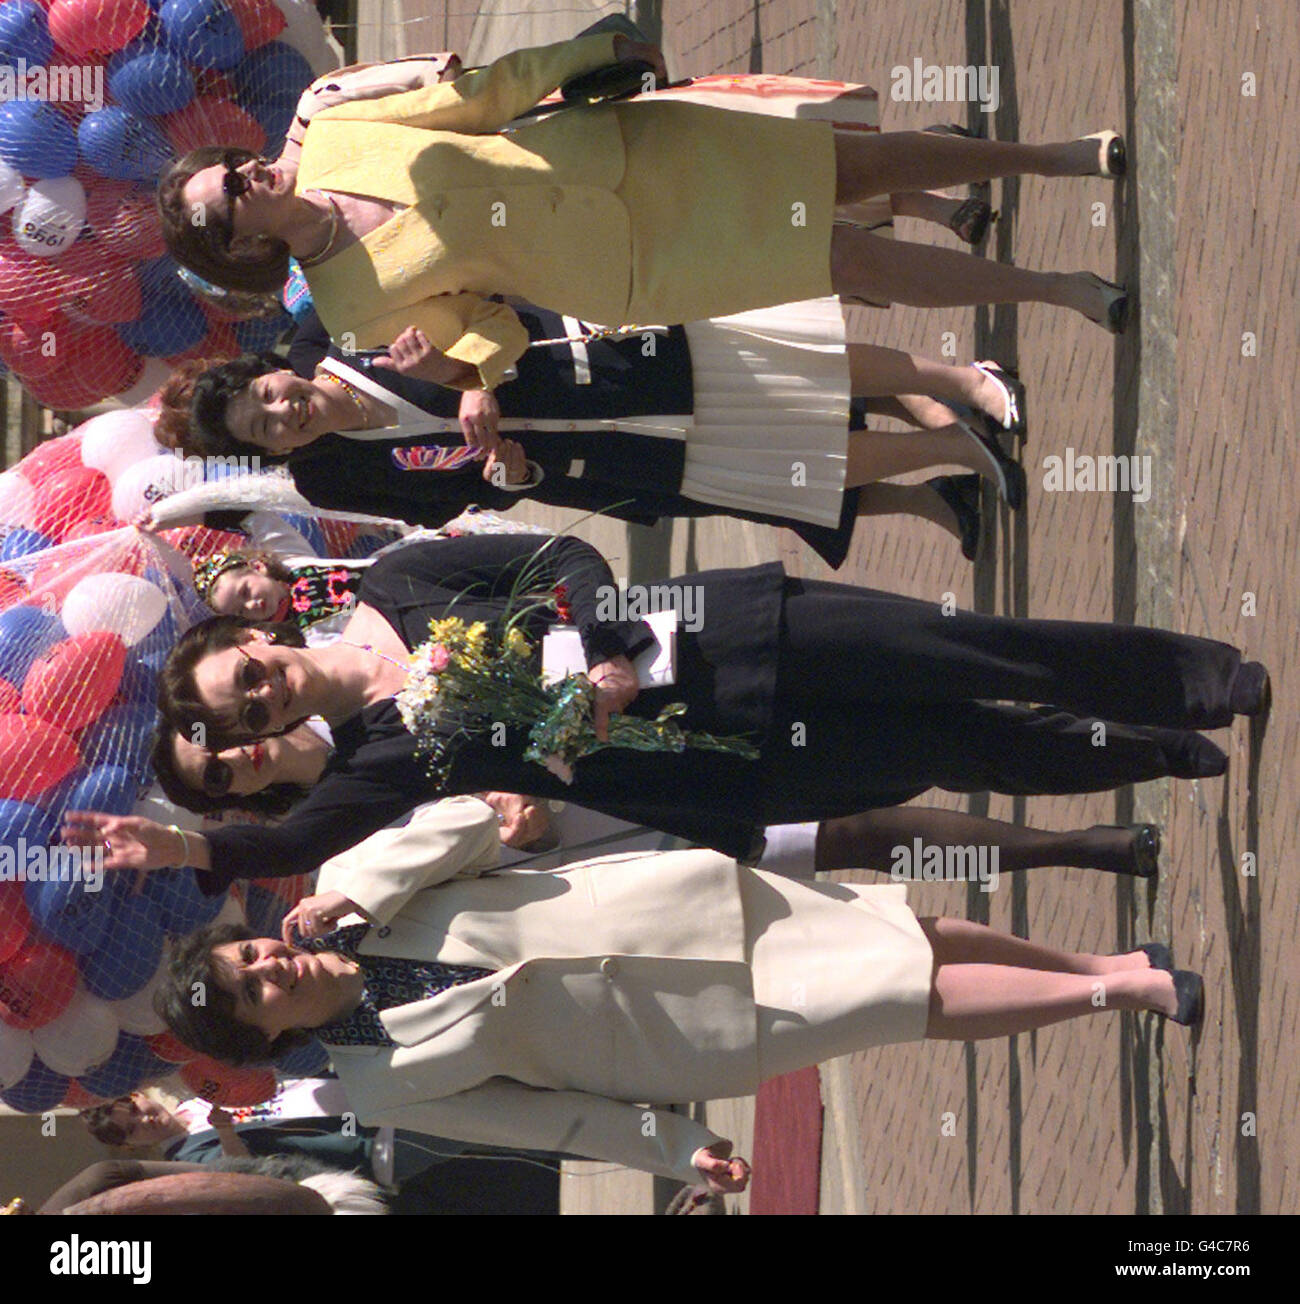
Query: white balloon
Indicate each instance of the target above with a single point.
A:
(305, 33)
(12, 187)
(115, 440)
(16, 499)
(81, 1037)
(143, 483)
(50, 218)
(126, 605)
(136, 1013)
(16, 1051)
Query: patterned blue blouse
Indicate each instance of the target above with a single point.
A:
(390, 981)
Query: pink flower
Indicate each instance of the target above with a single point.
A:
(559, 767)
(440, 659)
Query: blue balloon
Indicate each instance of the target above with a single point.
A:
(39, 1089)
(117, 143)
(131, 1064)
(161, 275)
(36, 140)
(307, 1061)
(169, 324)
(112, 789)
(273, 73)
(25, 632)
(18, 819)
(262, 333)
(204, 33)
(24, 33)
(275, 117)
(22, 543)
(309, 527)
(122, 736)
(149, 80)
(181, 906)
(139, 684)
(132, 955)
(71, 915)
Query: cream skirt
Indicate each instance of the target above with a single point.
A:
(771, 411)
(837, 968)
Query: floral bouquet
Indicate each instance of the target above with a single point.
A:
(467, 681)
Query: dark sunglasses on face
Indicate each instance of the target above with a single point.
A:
(234, 185)
(254, 715)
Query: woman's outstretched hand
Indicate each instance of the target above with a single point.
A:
(721, 1172)
(616, 687)
(130, 842)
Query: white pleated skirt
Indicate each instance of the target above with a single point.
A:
(771, 411)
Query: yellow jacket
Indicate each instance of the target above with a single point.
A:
(530, 213)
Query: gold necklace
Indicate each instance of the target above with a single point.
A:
(329, 243)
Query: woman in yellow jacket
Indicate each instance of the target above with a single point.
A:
(412, 209)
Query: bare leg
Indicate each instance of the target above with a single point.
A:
(925, 205)
(887, 499)
(881, 454)
(867, 840)
(989, 984)
(865, 266)
(895, 162)
(876, 371)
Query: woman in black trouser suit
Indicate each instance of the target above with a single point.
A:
(858, 699)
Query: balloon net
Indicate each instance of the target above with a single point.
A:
(89, 609)
(96, 98)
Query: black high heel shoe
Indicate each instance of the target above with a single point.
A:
(1190, 990)
(971, 220)
(1010, 475)
(1112, 154)
(1117, 305)
(963, 496)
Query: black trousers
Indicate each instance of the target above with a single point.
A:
(891, 694)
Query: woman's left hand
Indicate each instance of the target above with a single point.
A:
(616, 687)
(314, 916)
(480, 419)
(411, 354)
(722, 1172)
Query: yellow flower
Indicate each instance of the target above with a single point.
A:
(517, 643)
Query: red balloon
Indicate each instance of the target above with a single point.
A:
(106, 288)
(207, 120)
(31, 289)
(64, 389)
(34, 756)
(104, 360)
(96, 26)
(222, 1085)
(13, 588)
(15, 922)
(32, 348)
(11, 701)
(170, 1048)
(130, 229)
(259, 20)
(51, 456)
(36, 985)
(79, 1098)
(85, 530)
(72, 683)
(218, 343)
(69, 496)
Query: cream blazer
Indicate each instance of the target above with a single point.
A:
(615, 982)
(481, 205)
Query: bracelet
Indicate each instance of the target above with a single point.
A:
(185, 845)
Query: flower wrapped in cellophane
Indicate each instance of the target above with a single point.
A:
(467, 680)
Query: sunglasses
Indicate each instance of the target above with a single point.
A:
(255, 715)
(234, 185)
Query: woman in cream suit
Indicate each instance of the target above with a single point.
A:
(541, 1010)
(410, 209)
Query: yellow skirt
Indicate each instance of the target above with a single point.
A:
(729, 211)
